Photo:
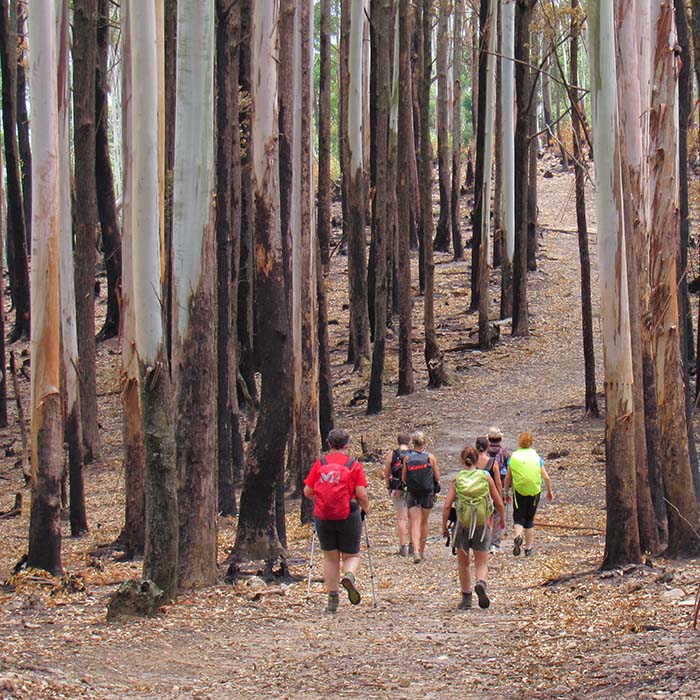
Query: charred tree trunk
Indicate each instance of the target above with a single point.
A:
(84, 61)
(455, 186)
(106, 202)
(17, 262)
(25, 151)
(324, 134)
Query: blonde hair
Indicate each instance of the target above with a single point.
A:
(418, 438)
(525, 439)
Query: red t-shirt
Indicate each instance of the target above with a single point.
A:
(334, 485)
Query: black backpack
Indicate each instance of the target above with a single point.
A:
(420, 478)
(395, 482)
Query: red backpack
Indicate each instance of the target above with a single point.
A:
(333, 489)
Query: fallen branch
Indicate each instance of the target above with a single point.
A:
(16, 508)
(595, 530)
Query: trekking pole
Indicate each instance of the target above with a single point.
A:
(311, 559)
(371, 568)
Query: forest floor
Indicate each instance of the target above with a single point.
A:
(557, 627)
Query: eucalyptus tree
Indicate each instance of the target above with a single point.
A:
(84, 62)
(141, 154)
(682, 513)
(487, 125)
(455, 185)
(508, 154)
(403, 198)
(256, 537)
(359, 317)
(323, 225)
(194, 310)
(72, 429)
(47, 436)
(442, 117)
(629, 95)
(134, 532)
(17, 262)
(622, 533)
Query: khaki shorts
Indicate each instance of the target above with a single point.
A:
(479, 541)
(415, 501)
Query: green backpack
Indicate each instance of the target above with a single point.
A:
(473, 504)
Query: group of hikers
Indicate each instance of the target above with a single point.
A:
(473, 515)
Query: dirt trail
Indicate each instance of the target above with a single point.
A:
(582, 637)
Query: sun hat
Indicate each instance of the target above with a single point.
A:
(494, 433)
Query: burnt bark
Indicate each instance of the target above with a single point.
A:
(45, 519)
(17, 262)
(71, 435)
(85, 219)
(25, 151)
(134, 532)
(106, 201)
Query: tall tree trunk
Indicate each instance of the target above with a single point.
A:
(194, 295)
(434, 359)
(442, 50)
(590, 401)
(532, 153)
(635, 221)
(228, 231)
(685, 103)
(25, 151)
(134, 533)
(622, 534)
(359, 319)
(305, 317)
(106, 202)
(523, 13)
(455, 186)
(17, 263)
(45, 518)
(246, 296)
(489, 90)
(72, 430)
(160, 562)
(256, 537)
(478, 212)
(508, 160)
(3, 347)
(324, 134)
(84, 61)
(326, 410)
(683, 520)
(403, 197)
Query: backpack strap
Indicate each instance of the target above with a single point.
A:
(350, 461)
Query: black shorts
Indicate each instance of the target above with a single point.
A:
(426, 501)
(343, 535)
(524, 509)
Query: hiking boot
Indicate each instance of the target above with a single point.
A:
(348, 583)
(333, 599)
(410, 550)
(480, 590)
(517, 544)
(403, 550)
(528, 551)
(466, 603)
(416, 558)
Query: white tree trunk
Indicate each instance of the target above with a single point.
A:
(508, 127)
(485, 248)
(46, 430)
(622, 535)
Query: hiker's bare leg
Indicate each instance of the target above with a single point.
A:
(481, 565)
(424, 515)
(351, 563)
(414, 522)
(402, 525)
(529, 537)
(517, 531)
(464, 569)
(331, 569)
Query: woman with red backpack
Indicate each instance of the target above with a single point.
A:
(338, 485)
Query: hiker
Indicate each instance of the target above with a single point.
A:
(422, 478)
(473, 493)
(493, 460)
(525, 473)
(338, 485)
(397, 490)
